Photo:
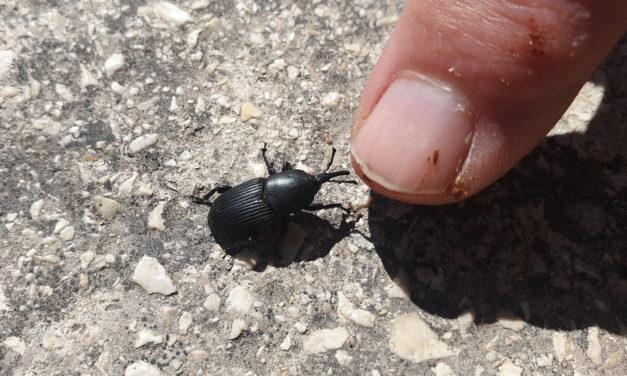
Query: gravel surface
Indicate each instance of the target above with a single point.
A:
(114, 112)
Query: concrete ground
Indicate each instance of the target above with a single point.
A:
(113, 113)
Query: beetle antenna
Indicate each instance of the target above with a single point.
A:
(326, 176)
(330, 161)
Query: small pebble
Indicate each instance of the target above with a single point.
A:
(198, 355)
(250, 111)
(212, 303)
(332, 100)
(465, 320)
(113, 64)
(16, 344)
(185, 322)
(35, 208)
(172, 13)
(87, 79)
(286, 343)
(142, 368)
(343, 358)
(106, 206)
(155, 220)
(594, 351)
(509, 369)
(53, 342)
(152, 277)
(142, 142)
(239, 300)
(50, 259)
(200, 4)
(237, 328)
(412, 339)
(146, 336)
(359, 317)
(509, 321)
(325, 339)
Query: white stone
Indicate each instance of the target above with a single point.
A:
(86, 258)
(198, 355)
(325, 339)
(544, 360)
(286, 343)
(301, 327)
(509, 321)
(412, 339)
(11, 217)
(126, 188)
(171, 13)
(113, 64)
(443, 369)
(50, 259)
(250, 111)
(169, 313)
(145, 189)
(277, 66)
(6, 60)
(464, 320)
(343, 359)
(142, 368)
(87, 79)
(67, 233)
(212, 303)
(332, 100)
(399, 289)
(291, 243)
(146, 336)
(142, 142)
(237, 327)
(386, 21)
(192, 38)
(185, 322)
(16, 344)
(359, 317)
(4, 306)
(201, 105)
(35, 208)
(292, 72)
(173, 105)
(53, 342)
(152, 277)
(594, 350)
(561, 346)
(612, 360)
(60, 225)
(200, 4)
(507, 368)
(155, 220)
(239, 300)
(106, 206)
(64, 92)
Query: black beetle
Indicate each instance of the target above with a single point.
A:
(248, 208)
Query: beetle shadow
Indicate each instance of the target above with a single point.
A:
(314, 237)
(546, 242)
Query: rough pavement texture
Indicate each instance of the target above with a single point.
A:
(113, 112)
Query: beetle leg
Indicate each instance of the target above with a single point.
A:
(315, 207)
(286, 166)
(330, 161)
(204, 200)
(270, 166)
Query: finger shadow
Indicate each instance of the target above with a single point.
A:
(546, 242)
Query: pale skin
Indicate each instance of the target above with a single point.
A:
(465, 89)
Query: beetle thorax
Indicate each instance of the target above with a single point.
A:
(290, 191)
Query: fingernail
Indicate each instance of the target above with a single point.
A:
(416, 138)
